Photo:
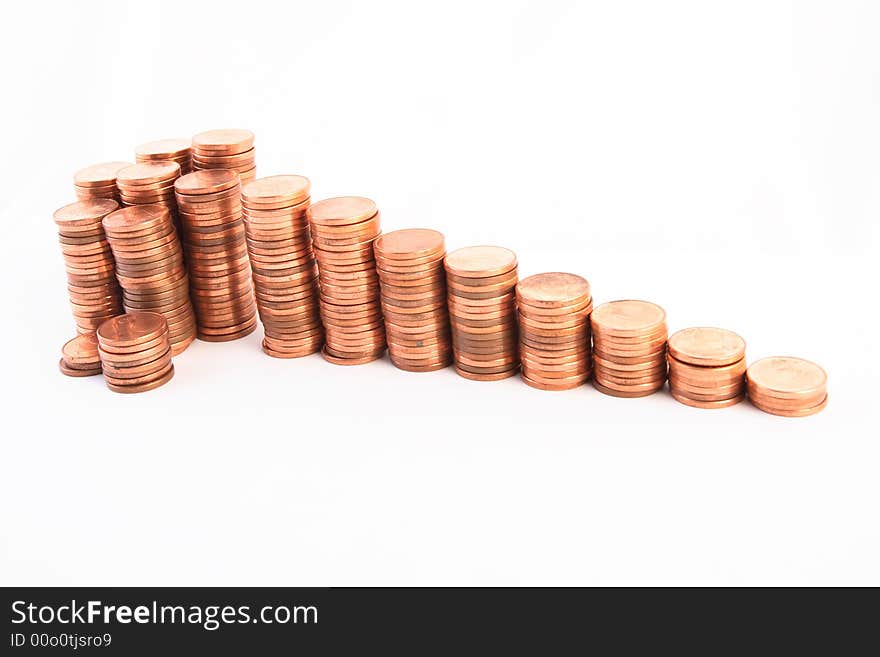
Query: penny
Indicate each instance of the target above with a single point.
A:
(627, 318)
(697, 403)
(67, 370)
(227, 141)
(486, 377)
(174, 150)
(787, 377)
(354, 360)
(341, 211)
(480, 261)
(143, 387)
(706, 346)
(552, 290)
(791, 412)
(98, 180)
(622, 393)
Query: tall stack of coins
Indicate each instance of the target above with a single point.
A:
(413, 284)
(98, 181)
(629, 348)
(79, 357)
(166, 150)
(707, 367)
(209, 203)
(231, 149)
(91, 275)
(152, 182)
(283, 264)
(135, 352)
(787, 386)
(343, 230)
(149, 266)
(554, 330)
(481, 283)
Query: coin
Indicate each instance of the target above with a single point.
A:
(706, 346)
(98, 181)
(135, 352)
(171, 150)
(787, 386)
(228, 149)
(629, 341)
(148, 183)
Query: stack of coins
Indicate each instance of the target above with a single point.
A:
(98, 181)
(225, 149)
(707, 367)
(166, 150)
(149, 183)
(481, 283)
(79, 357)
(343, 230)
(283, 264)
(413, 284)
(135, 352)
(554, 330)
(149, 266)
(209, 203)
(787, 386)
(629, 348)
(91, 275)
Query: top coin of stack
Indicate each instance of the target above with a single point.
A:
(79, 357)
(554, 330)
(706, 367)
(91, 272)
(283, 264)
(481, 283)
(98, 181)
(787, 386)
(343, 230)
(629, 348)
(413, 283)
(226, 149)
(171, 150)
(217, 258)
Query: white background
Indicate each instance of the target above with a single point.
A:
(721, 159)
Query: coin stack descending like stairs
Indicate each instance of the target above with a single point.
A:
(413, 284)
(149, 183)
(231, 149)
(135, 352)
(209, 203)
(166, 150)
(283, 264)
(150, 268)
(707, 367)
(554, 330)
(782, 385)
(343, 230)
(79, 356)
(481, 283)
(98, 181)
(629, 348)
(88, 260)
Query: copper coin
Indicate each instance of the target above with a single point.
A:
(223, 141)
(627, 318)
(144, 387)
(99, 174)
(410, 244)
(643, 388)
(552, 290)
(341, 211)
(787, 377)
(706, 346)
(622, 393)
(557, 387)
(71, 371)
(480, 261)
(485, 377)
(696, 403)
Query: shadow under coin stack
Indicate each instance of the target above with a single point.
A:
(554, 330)
(481, 283)
(98, 181)
(166, 150)
(707, 367)
(79, 357)
(91, 274)
(231, 149)
(283, 264)
(413, 284)
(209, 203)
(629, 348)
(135, 352)
(343, 230)
(787, 386)
(152, 182)
(149, 266)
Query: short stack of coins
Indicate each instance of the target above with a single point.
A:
(787, 386)
(79, 356)
(554, 330)
(413, 284)
(283, 264)
(629, 348)
(209, 203)
(91, 274)
(481, 283)
(149, 183)
(98, 181)
(166, 150)
(135, 352)
(150, 268)
(231, 149)
(707, 367)
(343, 230)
